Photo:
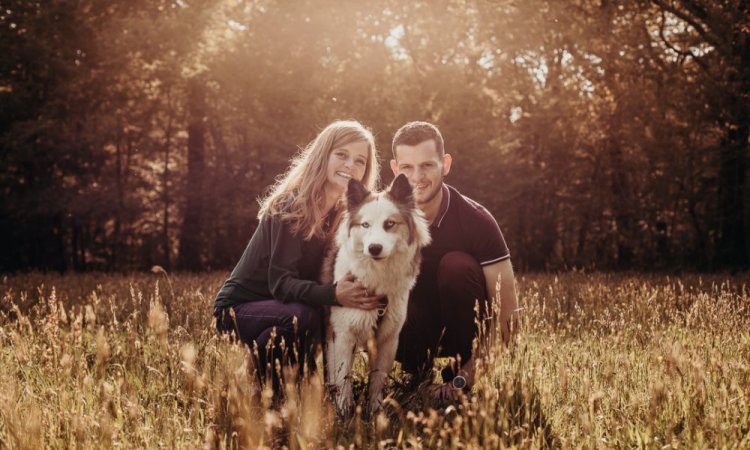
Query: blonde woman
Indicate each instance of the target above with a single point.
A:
(273, 291)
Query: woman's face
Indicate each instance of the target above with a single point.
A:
(346, 162)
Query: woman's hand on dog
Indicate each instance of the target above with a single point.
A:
(352, 294)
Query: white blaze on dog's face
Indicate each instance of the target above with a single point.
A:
(379, 228)
(381, 224)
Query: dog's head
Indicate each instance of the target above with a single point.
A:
(386, 222)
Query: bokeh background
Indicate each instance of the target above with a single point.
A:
(601, 134)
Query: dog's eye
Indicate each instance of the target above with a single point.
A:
(365, 225)
(389, 224)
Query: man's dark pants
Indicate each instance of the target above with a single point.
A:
(441, 319)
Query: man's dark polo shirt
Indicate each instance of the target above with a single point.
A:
(461, 225)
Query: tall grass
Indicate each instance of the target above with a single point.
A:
(602, 361)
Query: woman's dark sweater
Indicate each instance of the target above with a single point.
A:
(278, 264)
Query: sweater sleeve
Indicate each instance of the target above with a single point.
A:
(283, 270)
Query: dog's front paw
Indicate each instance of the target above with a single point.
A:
(376, 404)
(344, 406)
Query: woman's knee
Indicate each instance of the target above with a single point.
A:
(305, 319)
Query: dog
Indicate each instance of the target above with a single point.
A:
(379, 240)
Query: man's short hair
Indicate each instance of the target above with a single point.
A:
(414, 133)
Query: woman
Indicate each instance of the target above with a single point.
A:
(272, 293)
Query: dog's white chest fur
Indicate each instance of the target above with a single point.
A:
(392, 277)
(378, 242)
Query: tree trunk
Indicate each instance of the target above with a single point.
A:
(120, 193)
(166, 247)
(731, 248)
(192, 224)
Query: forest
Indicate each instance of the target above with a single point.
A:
(602, 134)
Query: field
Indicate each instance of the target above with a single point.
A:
(602, 361)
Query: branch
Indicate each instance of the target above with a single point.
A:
(693, 22)
(650, 49)
(696, 9)
(669, 45)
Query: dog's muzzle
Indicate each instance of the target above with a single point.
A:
(375, 249)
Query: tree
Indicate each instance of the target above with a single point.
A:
(716, 38)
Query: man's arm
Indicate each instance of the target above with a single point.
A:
(508, 300)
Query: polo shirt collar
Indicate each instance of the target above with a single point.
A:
(444, 204)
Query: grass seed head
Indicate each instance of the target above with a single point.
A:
(102, 348)
(90, 318)
(158, 321)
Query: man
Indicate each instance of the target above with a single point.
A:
(462, 265)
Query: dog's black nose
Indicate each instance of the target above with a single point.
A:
(375, 249)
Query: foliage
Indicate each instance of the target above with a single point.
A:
(601, 134)
(603, 361)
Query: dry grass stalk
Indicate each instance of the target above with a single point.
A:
(602, 361)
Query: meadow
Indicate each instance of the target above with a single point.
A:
(601, 361)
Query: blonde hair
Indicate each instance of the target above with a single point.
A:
(298, 194)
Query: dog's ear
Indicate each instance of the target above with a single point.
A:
(355, 194)
(401, 191)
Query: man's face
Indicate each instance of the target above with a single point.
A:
(424, 168)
